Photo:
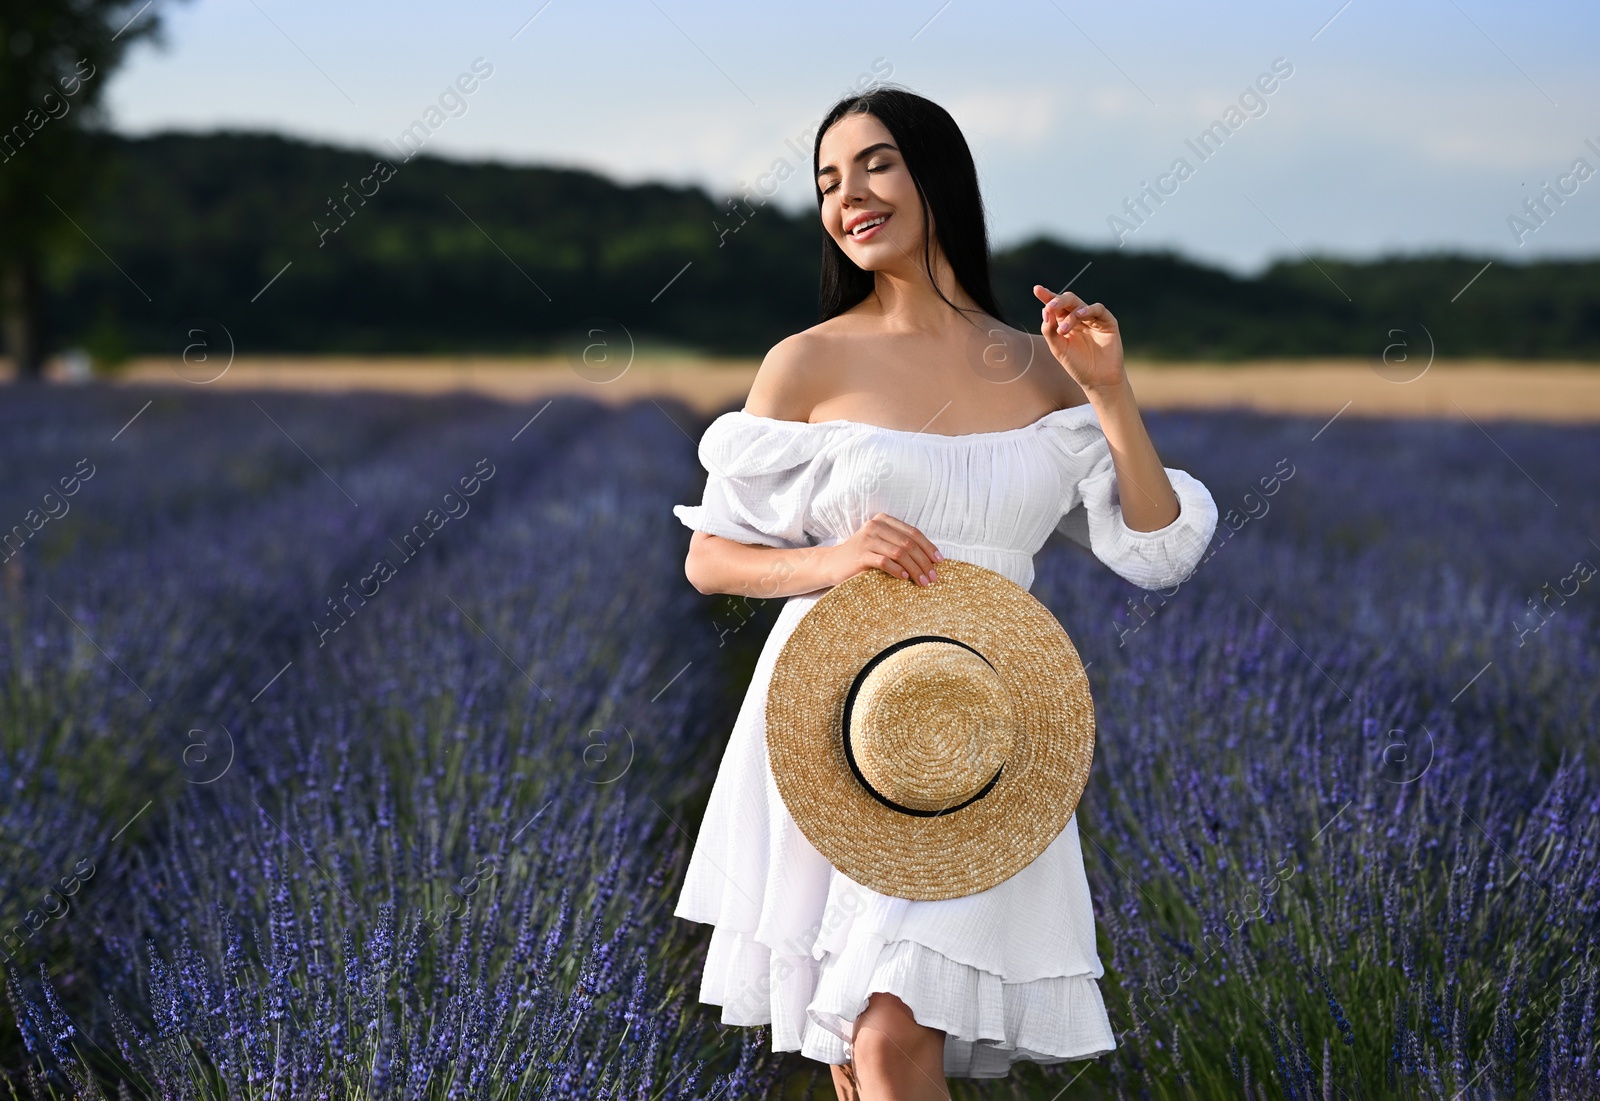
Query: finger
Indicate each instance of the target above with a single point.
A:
(1064, 316)
(885, 549)
(926, 544)
(1055, 337)
(921, 553)
(1048, 296)
(912, 558)
(1095, 311)
(928, 554)
(1064, 303)
(928, 549)
(889, 566)
(1063, 324)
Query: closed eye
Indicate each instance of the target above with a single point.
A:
(870, 169)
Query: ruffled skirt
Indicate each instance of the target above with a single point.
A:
(989, 1024)
(1009, 974)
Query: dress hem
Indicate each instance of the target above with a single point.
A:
(811, 1003)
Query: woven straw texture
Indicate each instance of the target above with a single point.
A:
(1027, 690)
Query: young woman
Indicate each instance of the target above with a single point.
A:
(911, 424)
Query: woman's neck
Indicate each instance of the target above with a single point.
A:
(907, 301)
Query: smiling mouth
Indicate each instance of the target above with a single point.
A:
(868, 228)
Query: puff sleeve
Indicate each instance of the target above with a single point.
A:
(1093, 514)
(760, 475)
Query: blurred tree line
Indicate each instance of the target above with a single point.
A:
(56, 57)
(301, 247)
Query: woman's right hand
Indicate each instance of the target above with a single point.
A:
(890, 545)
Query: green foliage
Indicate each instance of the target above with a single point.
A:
(57, 60)
(438, 256)
(1171, 308)
(430, 256)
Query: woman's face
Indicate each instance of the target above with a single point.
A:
(863, 179)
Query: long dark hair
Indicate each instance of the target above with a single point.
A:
(941, 166)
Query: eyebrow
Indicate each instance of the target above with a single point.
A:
(861, 156)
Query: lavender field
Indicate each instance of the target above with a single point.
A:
(352, 747)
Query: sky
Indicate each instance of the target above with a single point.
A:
(1389, 128)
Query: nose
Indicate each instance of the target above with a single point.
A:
(853, 188)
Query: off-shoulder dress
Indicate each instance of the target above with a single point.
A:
(1009, 973)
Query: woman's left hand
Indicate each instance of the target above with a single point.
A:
(1083, 336)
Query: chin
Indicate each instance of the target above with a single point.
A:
(874, 260)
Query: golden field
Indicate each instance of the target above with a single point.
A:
(1479, 389)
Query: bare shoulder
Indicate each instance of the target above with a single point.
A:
(1063, 389)
(795, 375)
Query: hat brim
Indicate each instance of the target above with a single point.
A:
(981, 844)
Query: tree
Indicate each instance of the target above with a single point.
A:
(56, 57)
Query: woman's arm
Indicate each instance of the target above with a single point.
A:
(718, 565)
(781, 390)
(1155, 504)
(1086, 341)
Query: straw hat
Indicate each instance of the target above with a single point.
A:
(930, 742)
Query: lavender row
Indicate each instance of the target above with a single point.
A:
(528, 681)
(1341, 827)
(150, 638)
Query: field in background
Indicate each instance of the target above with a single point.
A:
(353, 745)
(1495, 389)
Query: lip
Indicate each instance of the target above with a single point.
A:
(867, 216)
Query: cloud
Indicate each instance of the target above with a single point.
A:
(1025, 118)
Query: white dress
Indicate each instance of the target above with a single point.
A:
(1009, 973)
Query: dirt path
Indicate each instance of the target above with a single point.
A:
(1482, 390)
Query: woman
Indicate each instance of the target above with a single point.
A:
(909, 424)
